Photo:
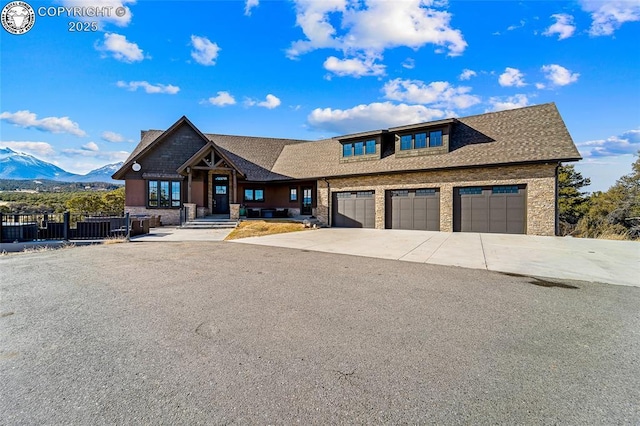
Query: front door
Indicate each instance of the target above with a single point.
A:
(307, 200)
(221, 194)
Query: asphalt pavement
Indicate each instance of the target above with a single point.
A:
(221, 333)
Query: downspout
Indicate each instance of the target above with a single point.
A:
(557, 204)
(328, 202)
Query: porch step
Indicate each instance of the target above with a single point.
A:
(206, 223)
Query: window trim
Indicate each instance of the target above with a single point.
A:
(170, 199)
(253, 192)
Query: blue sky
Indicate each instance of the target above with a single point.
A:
(315, 69)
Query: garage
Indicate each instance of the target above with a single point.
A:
(417, 209)
(354, 209)
(495, 209)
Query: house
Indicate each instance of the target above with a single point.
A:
(493, 172)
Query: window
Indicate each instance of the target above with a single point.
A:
(425, 192)
(399, 193)
(504, 190)
(153, 193)
(163, 193)
(293, 194)
(175, 194)
(364, 194)
(471, 191)
(370, 147)
(254, 195)
(406, 142)
(358, 148)
(435, 138)
(421, 140)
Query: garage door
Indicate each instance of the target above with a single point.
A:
(499, 209)
(414, 209)
(354, 209)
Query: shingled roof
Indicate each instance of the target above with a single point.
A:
(525, 135)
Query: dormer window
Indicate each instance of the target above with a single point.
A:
(435, 138)
(421, 140)
(358, 148)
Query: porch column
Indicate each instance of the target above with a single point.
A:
(190, 172)
(235, 187)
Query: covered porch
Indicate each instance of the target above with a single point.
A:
(212, 184)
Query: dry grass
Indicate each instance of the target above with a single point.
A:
(115, 240)
(258, 228)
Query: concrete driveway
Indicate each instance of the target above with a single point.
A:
(614, 262)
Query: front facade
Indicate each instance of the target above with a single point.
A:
(494, 172)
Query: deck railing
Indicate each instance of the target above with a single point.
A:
(21, 227)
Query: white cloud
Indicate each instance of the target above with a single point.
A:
(270, 102)
(608, 16)
(121, 21)
(250, 4)
(558, 75)
(438, 93)
(120, 48)
(376, 115)
(29, 120)
(511, 77)
(626, 143)
(92, 151)
(112, 137)
(540, 86)
(148, 87)
(223, 98)
(511, 102)
(515, 27)
(354, 67)
(34, 148)
(204, 51)
(563, 26)
(371, 26)
(91, 146)
(409, 63)
(467, 74)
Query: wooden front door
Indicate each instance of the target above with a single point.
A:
(307, 200)
(221, 194)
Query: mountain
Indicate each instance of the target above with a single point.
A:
(18, 165)
(103, 174)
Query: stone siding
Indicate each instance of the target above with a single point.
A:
(539, 179)
(167, 216)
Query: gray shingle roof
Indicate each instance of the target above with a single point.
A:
(524, 135)
(531, 134)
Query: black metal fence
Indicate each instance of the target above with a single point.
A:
(62, 226)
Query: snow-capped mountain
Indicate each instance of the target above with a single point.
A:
(103, 174)
(18, 165)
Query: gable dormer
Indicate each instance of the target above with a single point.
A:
(422, 139)
(361, 146)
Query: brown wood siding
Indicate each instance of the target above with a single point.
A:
(198, 194)
(276, 196)
(135, 192)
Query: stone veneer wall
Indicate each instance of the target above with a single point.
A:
(168, 216)
(540, 180)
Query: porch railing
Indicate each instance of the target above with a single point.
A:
(22, 227)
